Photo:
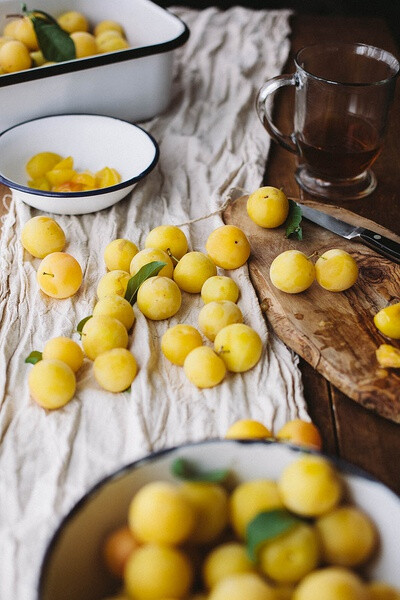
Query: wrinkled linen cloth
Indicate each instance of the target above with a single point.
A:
(210, 143)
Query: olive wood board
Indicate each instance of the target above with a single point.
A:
(333, 331)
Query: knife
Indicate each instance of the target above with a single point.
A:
(381, 244)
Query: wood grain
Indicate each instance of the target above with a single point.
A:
(333, 332)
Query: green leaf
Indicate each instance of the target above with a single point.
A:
(55, 43)
(34, 357)
(293, 221)
(266, 526)
(81, 324)
(184, 469)
(149, 270)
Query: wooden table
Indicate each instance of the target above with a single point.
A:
(348, 430)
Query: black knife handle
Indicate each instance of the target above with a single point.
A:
(381, 244)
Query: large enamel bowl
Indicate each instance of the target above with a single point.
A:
(72, 566)
(133, 84)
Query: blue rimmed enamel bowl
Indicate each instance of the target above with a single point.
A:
(93, 141)
(72, 566)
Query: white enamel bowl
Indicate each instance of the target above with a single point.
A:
(93, 141)
(72, 565)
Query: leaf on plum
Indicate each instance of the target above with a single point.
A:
(149, 270)
(293, 221)
(34, 357)
(266, 526)
(81, 324)
(184, 469)
(55, 43)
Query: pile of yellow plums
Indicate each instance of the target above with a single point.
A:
(49, 171)
(387, 320)
(236, 347)
(106, 36)
(292, 271)
(335, 270)
(294, 538)
(19, 48)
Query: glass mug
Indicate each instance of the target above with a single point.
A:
(343, 93)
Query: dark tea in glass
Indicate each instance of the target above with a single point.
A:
(342, 101)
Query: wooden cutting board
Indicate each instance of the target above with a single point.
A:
(333, 331)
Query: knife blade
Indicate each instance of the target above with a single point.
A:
(381, 244)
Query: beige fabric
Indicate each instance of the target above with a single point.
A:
(210, 142)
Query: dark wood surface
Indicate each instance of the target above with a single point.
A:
(349, 430)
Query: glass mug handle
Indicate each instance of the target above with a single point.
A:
(269, 88)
